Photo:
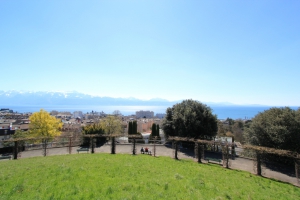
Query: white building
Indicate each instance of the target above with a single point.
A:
(77, 114)
(144, 114)
(160, 115)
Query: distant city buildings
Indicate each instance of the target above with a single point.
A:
(6, 110)
(160, 115)
(77, 114)
(144, 114)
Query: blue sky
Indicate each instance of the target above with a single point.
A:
(243, 52)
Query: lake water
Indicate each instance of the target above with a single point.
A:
(222, 112)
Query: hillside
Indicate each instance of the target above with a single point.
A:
(105, 176)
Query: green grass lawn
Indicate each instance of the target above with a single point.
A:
(106, 176)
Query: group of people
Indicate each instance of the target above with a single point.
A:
(145, 151)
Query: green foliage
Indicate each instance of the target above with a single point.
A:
(190, 119)
(111, 125)
(232, 128)
(20, 134)
(130, 128)
(103, 176)
(276, 128)
(92, 129)
(238, 130)
(134, 127)
(153, 130)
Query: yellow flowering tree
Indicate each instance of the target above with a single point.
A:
(45, 125)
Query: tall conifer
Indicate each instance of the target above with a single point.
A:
(134, 127)
(130, 128)
(153, 131)
(157, 130)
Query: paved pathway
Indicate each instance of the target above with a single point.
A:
(286, 175)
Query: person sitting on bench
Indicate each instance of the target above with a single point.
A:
(142, 150)
(146, 150)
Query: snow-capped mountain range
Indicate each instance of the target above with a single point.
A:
(13, 97)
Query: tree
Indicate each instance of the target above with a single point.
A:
(190, 119)
(276, 128)
(111, 125)
(134, 127)
(221, 128)
(117, 113)
(93, 129)
(20, 134)
(157, 130)
(238, 130)
(43, 124)
(130, 128)
(153, 130)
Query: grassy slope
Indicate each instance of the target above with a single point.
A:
(105, 176)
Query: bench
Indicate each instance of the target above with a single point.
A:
(213, 159)
(83, 149)
(5, 157)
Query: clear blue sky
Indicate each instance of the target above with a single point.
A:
(243, 52)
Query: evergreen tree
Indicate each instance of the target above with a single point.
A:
(134, 127)
(157, 130)
(191, 119)
(130, 128)
(277, 128)
(153, 130)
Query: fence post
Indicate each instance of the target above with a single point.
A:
(297, 169)
(214, 144)
(16, 150)
(199, 152)
(70, 145)
(176, 150)
(113, 145)
(258, 163)
(154, 146)
(92, 144)
(133, 148)
(45, 147)
(225, 155)
(233, 149)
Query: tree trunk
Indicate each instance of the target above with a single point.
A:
(233, 149)
(154, 146)
(70, 145)
(176, 150)
(199, 153)
(113, 146)
(297, 170)
(45, 147)
(227, 156)
(16, 150)
(214, 144)
(133, 148)
(258, 163)
(92, 144)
